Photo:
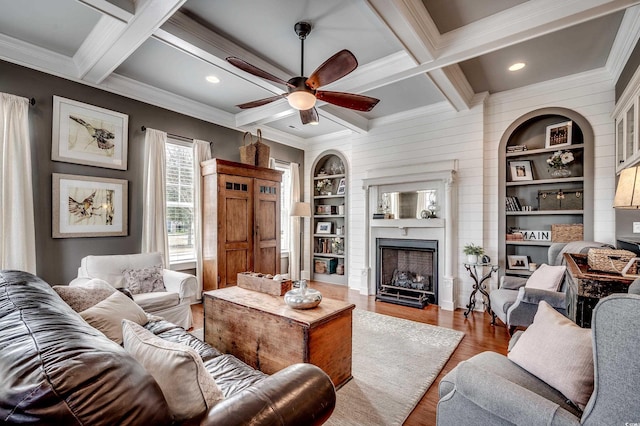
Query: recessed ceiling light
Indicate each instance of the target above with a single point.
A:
(517, 66)
(213, 79)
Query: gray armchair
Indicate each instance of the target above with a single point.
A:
(515, 305)
(489, 389)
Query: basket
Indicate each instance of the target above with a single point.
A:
(610, 260)
(262, 151)
(566, 233)
(248, 152)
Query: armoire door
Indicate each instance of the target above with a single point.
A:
(235, 226)
(267, 227)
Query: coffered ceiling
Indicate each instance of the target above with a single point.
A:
(412, 54)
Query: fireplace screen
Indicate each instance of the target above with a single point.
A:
(407, 271)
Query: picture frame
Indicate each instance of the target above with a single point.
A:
(559, 135)
(88, 134)
(87, 206)
(518, 262)
(520, 170)
(323, 228)
(342, 186)
(323, 209)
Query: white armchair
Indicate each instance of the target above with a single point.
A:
(174, 305)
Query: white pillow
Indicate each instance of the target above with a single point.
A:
(558, 352)
(546, 277)
(178, 369)
(108, 314)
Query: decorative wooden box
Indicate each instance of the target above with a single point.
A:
(262, 284)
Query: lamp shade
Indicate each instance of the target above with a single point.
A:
(628, 190)
(301, 209)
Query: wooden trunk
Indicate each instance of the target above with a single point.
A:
(262, 331)
(241, 221)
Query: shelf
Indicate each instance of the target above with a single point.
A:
(338, 176)
(528, 243)
(543, 150)
(324, 197)
(328, 235)
(546, 181)
(328, 216)
(544, 212)
(337, 256)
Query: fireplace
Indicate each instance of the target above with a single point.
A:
(407, 271)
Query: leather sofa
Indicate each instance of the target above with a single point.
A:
(174, 305)
(56, 369)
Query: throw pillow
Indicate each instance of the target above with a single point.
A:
(558, 352)
(547, 277)
(107, 315)
(177, 368)
(86, 295)
(144, 280)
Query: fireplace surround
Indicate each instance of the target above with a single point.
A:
(407, 271)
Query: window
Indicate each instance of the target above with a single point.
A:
(179, 199)
(285, 206)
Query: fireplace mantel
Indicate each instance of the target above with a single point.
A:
(439, 174)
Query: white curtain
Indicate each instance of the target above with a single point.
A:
(201, 152)
(154, 216)
(18, 245)
(295, 251)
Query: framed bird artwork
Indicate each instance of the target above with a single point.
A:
(87, 134)
(87, 206)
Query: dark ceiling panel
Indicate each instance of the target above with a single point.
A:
(451, 14)
(573, 50)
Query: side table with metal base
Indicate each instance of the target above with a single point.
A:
(479, 284)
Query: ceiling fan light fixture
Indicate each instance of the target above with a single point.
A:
(301, 100)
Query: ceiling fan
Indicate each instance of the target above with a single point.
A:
(302, 92)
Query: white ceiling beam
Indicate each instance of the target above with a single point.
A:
(183, 33)
(411, 24)
(107, 8)
(626, 39)
(453, 85)
(31, 56)
(98, 61)
(523, 22)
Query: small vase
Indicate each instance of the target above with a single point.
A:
(562, 172)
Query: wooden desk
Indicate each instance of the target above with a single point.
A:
(585, 288)
(261, 330)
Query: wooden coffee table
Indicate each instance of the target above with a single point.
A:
(261, 330)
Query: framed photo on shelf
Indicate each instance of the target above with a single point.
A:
(87, 134)
(324, 209)
(323, 228)
(558, 135)
(520, 170)
(518, 262)
(341, 187)
(86, 206)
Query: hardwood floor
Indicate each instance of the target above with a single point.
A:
(479, 336)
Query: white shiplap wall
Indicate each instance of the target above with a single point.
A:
(471, 137)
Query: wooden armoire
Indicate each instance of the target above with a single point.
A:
(241, 221)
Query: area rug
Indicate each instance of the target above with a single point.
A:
(395, 361)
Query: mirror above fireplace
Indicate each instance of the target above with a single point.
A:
(421, 204)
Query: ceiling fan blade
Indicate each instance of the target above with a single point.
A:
(261, 102)
(337, 66)
(348, 100)
(309, 116)
(247, 67)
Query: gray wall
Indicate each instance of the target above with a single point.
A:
(627, 72)
(58, 259)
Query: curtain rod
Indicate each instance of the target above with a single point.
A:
(32, 101)
(184, 138)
